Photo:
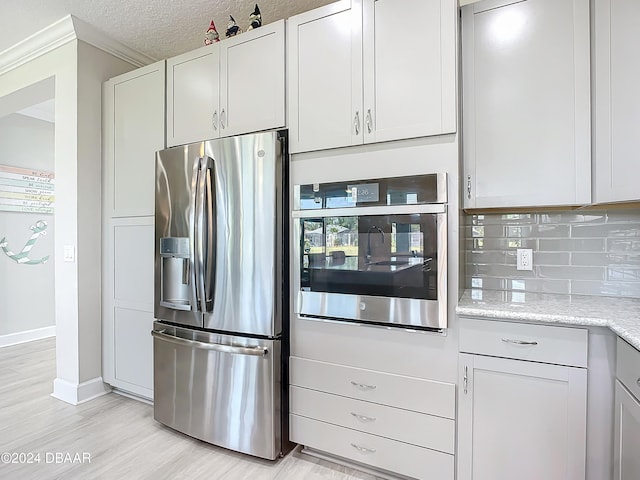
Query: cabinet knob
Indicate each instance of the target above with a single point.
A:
(363, 418)
(214, 120)
(369, 121)
(223, 119)
(363, 449)
(356, 123)
(363, 386)
(465, 379)
(519, 342)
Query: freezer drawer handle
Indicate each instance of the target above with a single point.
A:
(519, 342)
(255, 351)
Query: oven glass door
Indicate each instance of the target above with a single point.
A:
(371, 255)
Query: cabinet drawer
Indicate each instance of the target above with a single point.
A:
(405, 426)
(628, 367)
(523, 341)
(410, 393)
(390, 455)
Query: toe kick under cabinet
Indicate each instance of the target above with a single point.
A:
(522, 401)
(395, 423)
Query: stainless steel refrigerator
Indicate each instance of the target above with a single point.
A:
(221, 305)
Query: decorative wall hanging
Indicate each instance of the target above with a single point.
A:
(23, 257)
(26, 190)
(212, 35)
(255, 19)
(232, 28)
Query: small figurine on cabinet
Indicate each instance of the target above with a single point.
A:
(232, 28)
(255, 19)
(212, 35)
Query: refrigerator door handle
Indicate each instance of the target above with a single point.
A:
(218, 347)
(209, 255)
(194, 233)
(200, 232)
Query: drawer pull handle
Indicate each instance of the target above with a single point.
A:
(519, 342)
(363, 418)
(638, 382)
(363, 386)
(363, 449)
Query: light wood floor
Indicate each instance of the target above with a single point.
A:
(119, 434)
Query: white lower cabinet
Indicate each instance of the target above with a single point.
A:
(627, 414)
(520, 419)
(395, 423)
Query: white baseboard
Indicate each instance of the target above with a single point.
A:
(80, 393)
(28, 336)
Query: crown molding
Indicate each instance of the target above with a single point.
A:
(65, 30)
(98, 39)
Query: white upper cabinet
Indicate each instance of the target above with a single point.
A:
(526, 103)
(359, 74)
(252, 87)
(133, 132)
(325, 77)
(193, 96)
(617, 101)
(409, 68)
(228, 88)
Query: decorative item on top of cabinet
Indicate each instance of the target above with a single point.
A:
(228, 88)
(232, 28)
(617, 101)
(255, 19)
(354, 76)
(522, 401)
(212, 35)
(526, 103)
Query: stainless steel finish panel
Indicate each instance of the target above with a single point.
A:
(248, 188)
(176, 175)
(402, 312)
(207, 386)
(377, 210)
(399, 312)
(441, 193)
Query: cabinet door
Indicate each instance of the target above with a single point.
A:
(325, 77)
(128, 305)
(520, 420)
(617, 102)
(409, 69)
(252, 81)
(626, 464)
(526, 103)
(134, 131)
(192, 96)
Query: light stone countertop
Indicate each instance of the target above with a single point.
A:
(621, 315)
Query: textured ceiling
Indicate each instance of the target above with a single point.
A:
(157, 28)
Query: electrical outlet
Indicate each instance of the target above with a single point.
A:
(524, 259)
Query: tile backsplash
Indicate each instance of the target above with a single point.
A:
(586, 253)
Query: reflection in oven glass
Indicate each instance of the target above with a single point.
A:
(386, 255)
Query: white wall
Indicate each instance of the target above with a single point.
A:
(26, 291)
(78, 70)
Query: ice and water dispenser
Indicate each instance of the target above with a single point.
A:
(175, 273)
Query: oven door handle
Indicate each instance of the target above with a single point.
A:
(375, 210)
(218, 347)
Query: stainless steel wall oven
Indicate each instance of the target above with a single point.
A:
(372, 251)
